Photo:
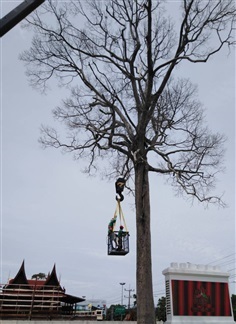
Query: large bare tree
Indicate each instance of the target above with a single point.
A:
(119, 59)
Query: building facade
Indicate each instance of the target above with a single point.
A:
(23, 298)
(197, 294)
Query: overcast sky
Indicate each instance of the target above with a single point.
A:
(53, 213)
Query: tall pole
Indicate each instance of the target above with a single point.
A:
(129, 297)
(122, 286)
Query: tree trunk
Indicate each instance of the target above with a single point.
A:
(145, 302)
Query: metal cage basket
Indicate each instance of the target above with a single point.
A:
(118, 245)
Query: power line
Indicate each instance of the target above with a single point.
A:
(158, 293)
(222, 258)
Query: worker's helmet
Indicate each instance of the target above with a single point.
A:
(121, 227)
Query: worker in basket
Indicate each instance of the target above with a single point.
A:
(118, 241)
(120, 235)
(111, 233)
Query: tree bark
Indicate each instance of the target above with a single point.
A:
(145, 302)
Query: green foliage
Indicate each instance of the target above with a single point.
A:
(233, 298)
(114, 314)
(39, 275)
(161, 309)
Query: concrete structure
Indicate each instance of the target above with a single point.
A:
(197, 294)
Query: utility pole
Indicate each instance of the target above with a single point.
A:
(112, 313)
(122, 285)
(129, 297)
(18, 14)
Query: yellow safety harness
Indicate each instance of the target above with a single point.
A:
(119, 212)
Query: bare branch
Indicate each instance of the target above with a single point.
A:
(119, 61)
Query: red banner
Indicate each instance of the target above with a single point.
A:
(200, 298)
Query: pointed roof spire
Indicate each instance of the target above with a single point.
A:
(52, 279)
(20, 278)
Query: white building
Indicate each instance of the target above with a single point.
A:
(90, 304)
(197, 294)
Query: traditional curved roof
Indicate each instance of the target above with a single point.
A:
(52, 279)
(20, 278)
(21, 281)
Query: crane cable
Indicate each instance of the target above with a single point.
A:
(119, 212)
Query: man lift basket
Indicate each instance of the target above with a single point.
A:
(118, 240)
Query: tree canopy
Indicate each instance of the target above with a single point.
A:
(39, 275)
(126, 105)
(125, 55)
